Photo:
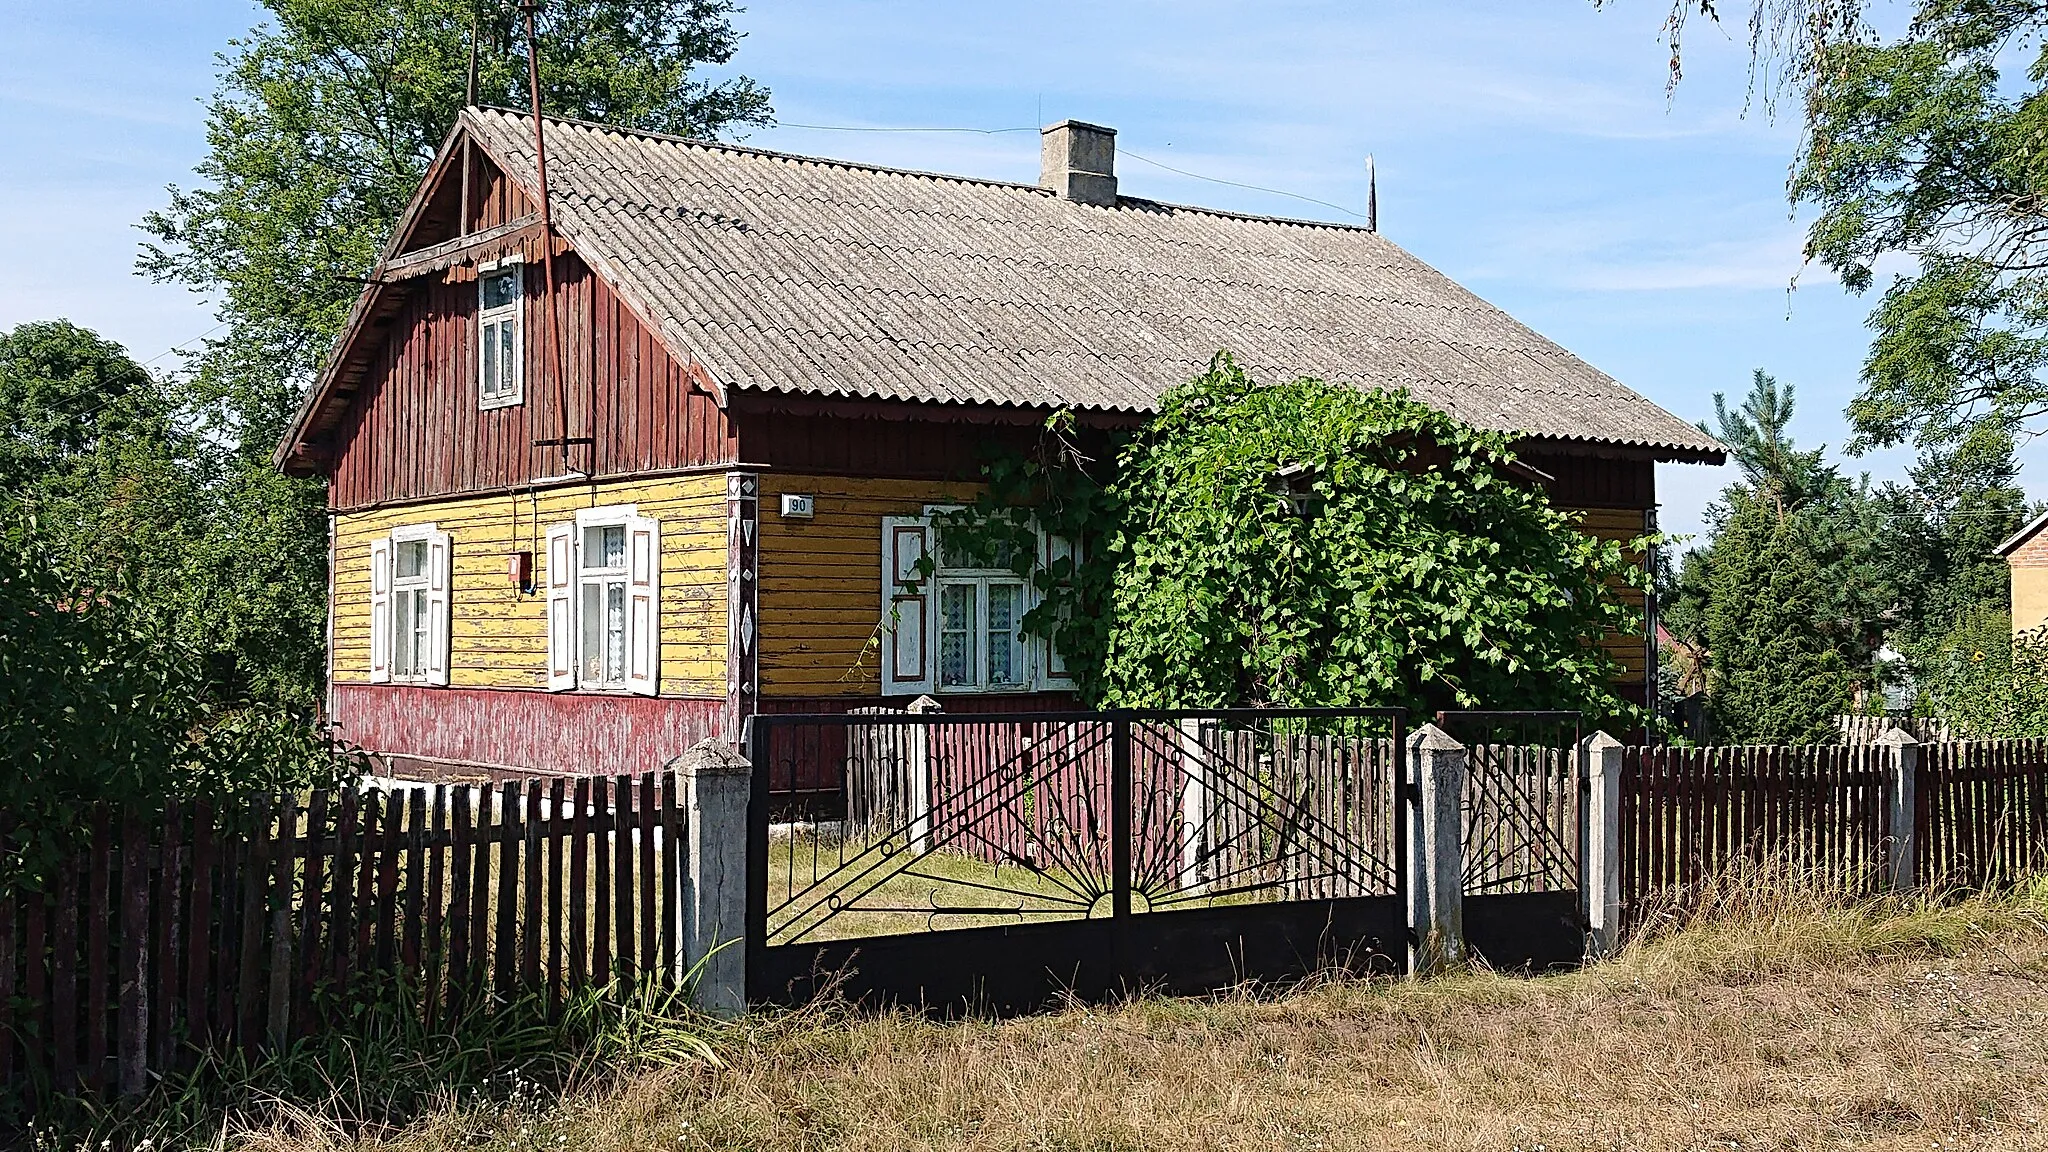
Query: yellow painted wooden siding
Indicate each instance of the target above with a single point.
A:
(821, 580)
(498, 635)
(1621, 525)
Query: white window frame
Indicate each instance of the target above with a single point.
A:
(431, 589)
(488, 320)
(640, 579)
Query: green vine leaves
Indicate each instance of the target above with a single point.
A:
(1305, 544)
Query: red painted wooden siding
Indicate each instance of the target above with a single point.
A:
(552, 732)
(416, 432)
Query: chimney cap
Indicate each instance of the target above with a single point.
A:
(1082, 125)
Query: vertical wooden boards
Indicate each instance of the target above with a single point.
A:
(622, 881)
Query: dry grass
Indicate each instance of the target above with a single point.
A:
(1776, 1020)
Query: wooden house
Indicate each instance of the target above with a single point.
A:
(584, 518)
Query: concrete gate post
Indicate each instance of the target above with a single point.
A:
(1901, 851)
(716, 782)
(1600, 757)
(1436, 851)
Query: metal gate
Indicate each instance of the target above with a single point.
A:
(1002, 861)
(1524, 836)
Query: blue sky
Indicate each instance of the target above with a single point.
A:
(1525, 147)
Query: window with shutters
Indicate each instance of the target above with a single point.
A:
(411, 581)
(604, 597)
(501, 362)
(602, 608)
(960, 626)
(412, 644)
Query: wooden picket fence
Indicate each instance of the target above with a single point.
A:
(1982, 812)
(179, 932)
(1691, 814)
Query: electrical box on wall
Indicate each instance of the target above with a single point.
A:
(795, 507)
(519, 569)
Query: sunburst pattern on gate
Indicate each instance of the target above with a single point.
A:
(954, 822)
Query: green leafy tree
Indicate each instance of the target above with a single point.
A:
(1311, 544)
(1924, 148)
(1791, 599)
(323, 122)
(101, 701)
(1986, 681)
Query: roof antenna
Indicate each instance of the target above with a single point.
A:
(547, 238)
(1372, 195)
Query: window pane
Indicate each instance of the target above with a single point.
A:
(500, 288)
(593, 634)
(956, 634)
(489, 375)
(412, 558)
(604, 547)
(1005, 608)
(615, 633)
(404, 649)
(508, 361)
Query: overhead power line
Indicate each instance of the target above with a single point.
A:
(1120, 151)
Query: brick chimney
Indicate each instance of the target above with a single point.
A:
(1078, 161)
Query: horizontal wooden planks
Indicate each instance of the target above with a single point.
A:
(498, 633)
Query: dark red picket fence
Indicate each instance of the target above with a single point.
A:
(1690, 814)
(1982, 812)
(180, 932)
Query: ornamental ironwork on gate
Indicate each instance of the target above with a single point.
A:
(1001, 859)
(1524, 834)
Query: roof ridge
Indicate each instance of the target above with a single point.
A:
(1138, 203)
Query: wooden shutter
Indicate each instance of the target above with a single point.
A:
(906, 606)
(380, 610)
(643, 605)
(1054, 665)
(439, 584)
(561, 584)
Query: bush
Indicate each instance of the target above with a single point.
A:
(101, 703)
(1986, 681)
(1410, 568)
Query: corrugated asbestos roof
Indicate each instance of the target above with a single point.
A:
(797, 275)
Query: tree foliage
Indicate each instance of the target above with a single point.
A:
(1408, 567)
(1792, 597)
(1986, 681)
(103, 700)
(1926, 149)
(324, 121)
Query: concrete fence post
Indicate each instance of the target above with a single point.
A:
(1436, 851)
(1902, 749)
(716, 782)
(919, 747)
(1600, 757)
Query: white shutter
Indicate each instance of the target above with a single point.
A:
(643, 605)
(440, 580)
(906, 606)
(1057, 548)
(380, 610)
(561, 583)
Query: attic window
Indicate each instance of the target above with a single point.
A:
(501, 361)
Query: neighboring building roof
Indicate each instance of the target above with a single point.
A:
(2020, 537)
(788, 274)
